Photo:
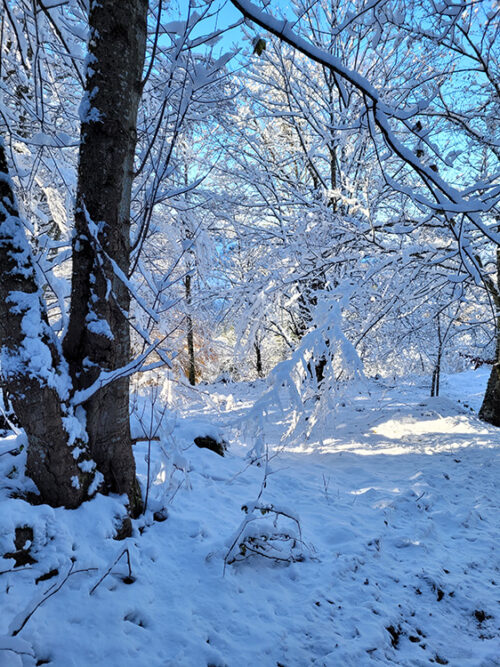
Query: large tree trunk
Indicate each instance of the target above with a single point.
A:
(98, 333)
(32, 370)
(490, 409)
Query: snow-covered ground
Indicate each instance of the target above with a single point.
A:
(399, 518)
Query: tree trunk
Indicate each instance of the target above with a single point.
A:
(307, 301)
(39, 376)
(490, 409)
(436, 373)
(98, 335)
(258, 359)
(33, 372)
(190, 334)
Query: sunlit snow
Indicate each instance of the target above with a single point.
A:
(398, 512)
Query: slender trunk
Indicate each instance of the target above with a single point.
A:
(436, 373)
(307, 301)
(490, 409)
(190, 334)
(98, 335)
(188, 235)
(32, 370)
(258, 359)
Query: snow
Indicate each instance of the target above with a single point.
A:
(397, 505)
(98, 326)
(88, 113)
(98, 477)
(33, 355)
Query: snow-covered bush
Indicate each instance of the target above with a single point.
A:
(267, 531)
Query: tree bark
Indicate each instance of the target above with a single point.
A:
(190, 334)
(307, 301)
(436, 373)
(98, 335)
(258, 359)
(32, 370)
(490, 409)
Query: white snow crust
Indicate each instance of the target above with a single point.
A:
(398, 504)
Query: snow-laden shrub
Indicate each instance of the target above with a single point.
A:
(267, 531)
(294, 383)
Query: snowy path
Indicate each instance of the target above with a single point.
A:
(401, 509)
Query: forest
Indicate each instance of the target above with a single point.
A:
(249, 332)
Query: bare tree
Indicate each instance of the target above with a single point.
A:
(412, 162)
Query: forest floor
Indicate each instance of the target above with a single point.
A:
(397, 561)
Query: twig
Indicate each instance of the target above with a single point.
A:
(170, 500)
(152, 435)
(258, 458)
(125, 551)
(10, 451)
(270, 508)
(145, 438)
(244, 524)
(16, 569)
(49, 593)
(148, 477)
(264, 555)
(326, 484)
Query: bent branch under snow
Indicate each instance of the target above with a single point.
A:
(448, 200)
